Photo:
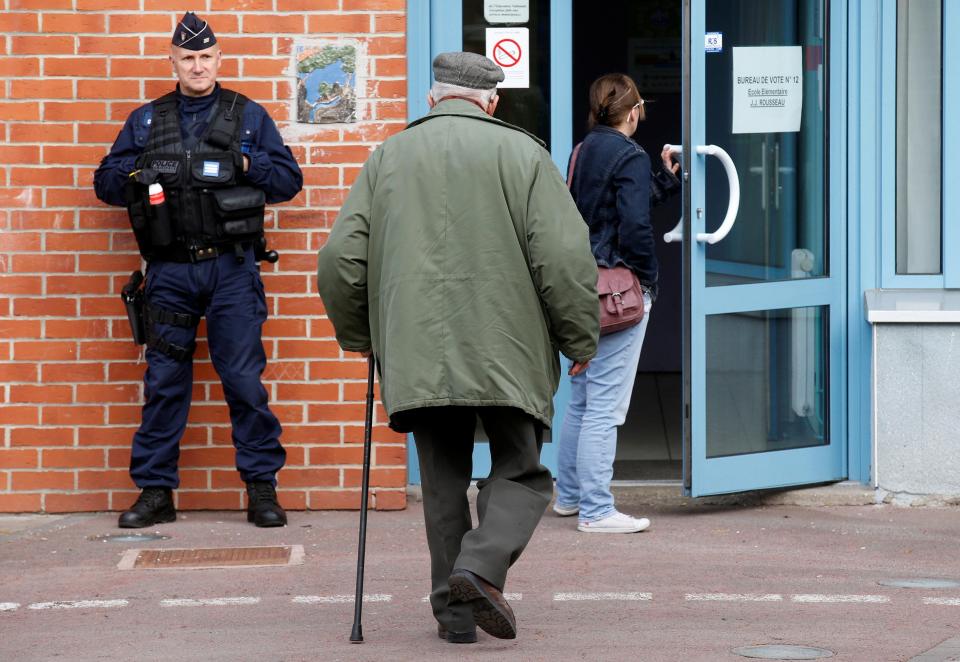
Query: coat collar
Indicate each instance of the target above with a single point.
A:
(463, 108)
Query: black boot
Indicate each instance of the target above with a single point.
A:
(153, 506)
(262, 506)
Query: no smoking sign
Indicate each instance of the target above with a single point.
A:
(508, 47)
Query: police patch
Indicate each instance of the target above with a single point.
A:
(211, 169)
(166, 166)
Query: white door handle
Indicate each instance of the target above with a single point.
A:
(676, 234)
(734, 205)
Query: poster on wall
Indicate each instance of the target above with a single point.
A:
(326, 83)
(767, 89)
(506, 11)
(510, 48)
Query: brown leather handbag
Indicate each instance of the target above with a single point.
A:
(621, 296)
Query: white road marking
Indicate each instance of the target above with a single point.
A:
(207, 602)
(339, 599)
(575, 597)
(734, 597)
(876, 599)
(9, 606)
(954, 602)
(80, 604)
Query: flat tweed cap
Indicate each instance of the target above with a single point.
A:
(467, 70)
(193, 33)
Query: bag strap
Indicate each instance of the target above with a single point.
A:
(573, 164)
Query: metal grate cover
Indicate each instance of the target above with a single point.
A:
(217, 557)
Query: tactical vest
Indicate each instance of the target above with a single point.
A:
(205, 209)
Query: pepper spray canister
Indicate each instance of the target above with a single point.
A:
(160, 233)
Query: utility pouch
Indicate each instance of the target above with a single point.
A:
(239, 209)
(132, 296)
(139, 213)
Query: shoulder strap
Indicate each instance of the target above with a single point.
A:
(164, 127)
(573, 163)
(224, 130)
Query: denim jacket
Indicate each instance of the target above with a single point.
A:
(614, 189)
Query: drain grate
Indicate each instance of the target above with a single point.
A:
(217, 557)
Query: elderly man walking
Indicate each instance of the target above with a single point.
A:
(461, 262)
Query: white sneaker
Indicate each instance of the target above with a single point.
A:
(615, 523)
(565, 511)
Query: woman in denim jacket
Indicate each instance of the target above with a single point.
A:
(614, 189)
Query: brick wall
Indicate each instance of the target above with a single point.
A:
(71, 72)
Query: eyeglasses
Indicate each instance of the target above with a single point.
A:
(638, 104)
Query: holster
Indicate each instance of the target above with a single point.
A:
(132, 296)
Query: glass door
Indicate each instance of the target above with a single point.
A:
(530, 40)
(763, 263)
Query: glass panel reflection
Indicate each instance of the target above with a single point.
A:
(767, 380)
(528, 108)
(781, 226)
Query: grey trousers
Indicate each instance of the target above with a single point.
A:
(510, 502)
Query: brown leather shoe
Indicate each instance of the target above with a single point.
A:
(491, 611)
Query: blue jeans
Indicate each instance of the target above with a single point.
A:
(599, 399)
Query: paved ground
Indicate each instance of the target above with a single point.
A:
(703, 581)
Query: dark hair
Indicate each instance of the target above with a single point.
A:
(611, 97)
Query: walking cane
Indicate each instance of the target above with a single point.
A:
(356, 636)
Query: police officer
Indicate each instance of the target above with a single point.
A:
(194, 169)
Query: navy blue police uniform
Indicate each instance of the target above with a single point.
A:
(201, 263)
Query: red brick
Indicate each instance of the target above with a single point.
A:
(273, 23)
(73, 415)
(20, 110)
(390, 66)
(20, 503)
(389, 455)
(24, 481)
(40, 393)
(76, 329)
(76, 503)
(83, 67)
(19, 154)
(72, 154)
(19, 22)
(292, 499)
(40, 4)
(246, 45)
(16, 415)
(19, 372)
(45, 307)
(77, 284)
(19, 328)
(335, 499)
(340, 154)
(41, 176)
(97, 133)
(339, 23)
(108, 89)
(46, 436)
(364, 5)
(263, 67)
(108, 393)
(108, 436)
(44, 351)
(352, 369)
(389, 23)
(108, 45)
(311, 434)
(327, 455)
(104, 480)
(307, 5)
(390, 499)
(73, 22)
(21, 284)
(101, 5)
(208, 457)
(72, 458)
(222, 479)
(43, 263)
(309, 477)
(19, 66)
(42, 220)
(140, 23)
(41, 45)
(76, 111)
(123, 414)
(378, 477)
(19, 459)
(191, 500)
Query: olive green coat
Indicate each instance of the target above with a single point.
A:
(460, 258)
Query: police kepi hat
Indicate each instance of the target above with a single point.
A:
(193, 33)
(467, 70)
